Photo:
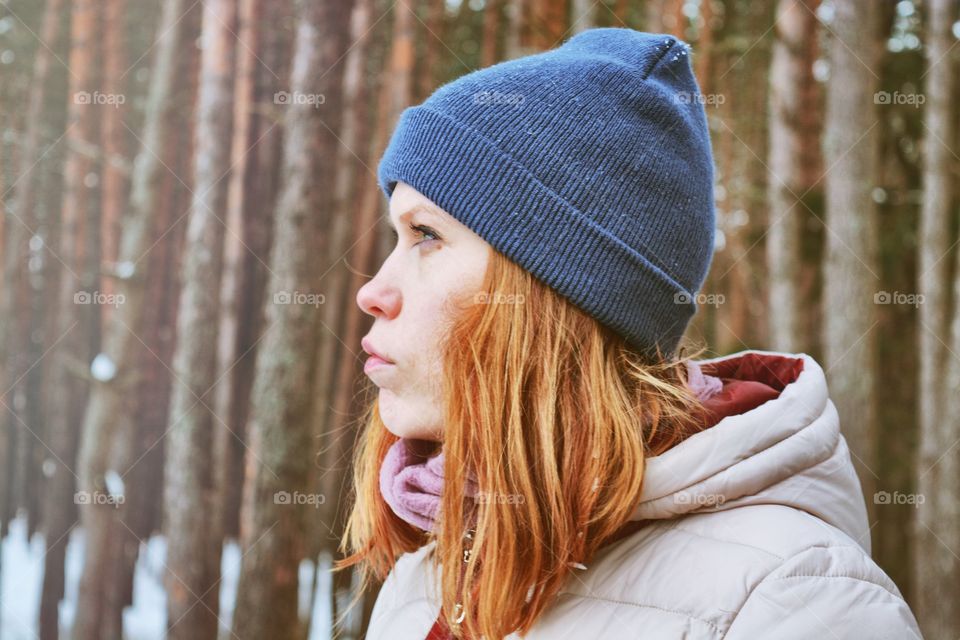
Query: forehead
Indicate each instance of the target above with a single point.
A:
(406, 201)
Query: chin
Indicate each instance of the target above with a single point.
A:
(404, 429)
(406, 421)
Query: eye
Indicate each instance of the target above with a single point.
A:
(422, 232)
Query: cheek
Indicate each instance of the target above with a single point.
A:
(427, 323)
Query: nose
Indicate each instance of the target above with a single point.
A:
(379, 299)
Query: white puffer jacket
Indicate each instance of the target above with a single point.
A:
(761, 532)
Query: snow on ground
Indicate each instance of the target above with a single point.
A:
(21, 580)
(21, 575)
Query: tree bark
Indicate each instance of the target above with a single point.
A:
(738, 92)
(261, 65)
(492, 12)
(338, 369)
(937, 526)
(850, 279)
(584, 13)
(20, 224)
(114, 141)
(280, 426)
(76, 303)
(108, 413)
(791, 75)
(548, 23)
(666, 16)
(191, 509)
(516, 36)
(15, 295)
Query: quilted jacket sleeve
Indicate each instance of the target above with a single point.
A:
(825, 592)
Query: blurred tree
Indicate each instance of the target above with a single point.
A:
(850, 269)
(737, 92)
(108, 412)
(431, 37)
(492, 19)
(21, 223)
(262, 68)
(666, 16)
(280, 425)
(517, 26)
(191, 509)
(351, 234)
(584, 15)
(791, 157)
(548, 23)
(113, 140)
(937, 568)
(76, 307)
(703, 56)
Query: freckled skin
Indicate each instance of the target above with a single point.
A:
(409, 298)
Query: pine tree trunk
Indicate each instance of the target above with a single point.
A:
(20, 223)
(548, 23)
(740, 145)
(516, 23)
(191, 502)
(850, 279)
(665, 16)
(76, 305)
(108, 412)
(154, 357)
(263, 62)
(936, 568)
(433, 34)
(273, 536)
(583, 15)
(791, 72)
(114, 141)
(15, 295)
(338, 370)
(492, 12)
(704, 54)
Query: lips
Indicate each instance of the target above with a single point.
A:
(376, 360)
(371, 351)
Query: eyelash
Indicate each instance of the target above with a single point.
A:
(419, 230)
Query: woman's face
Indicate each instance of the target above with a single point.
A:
(437, 262)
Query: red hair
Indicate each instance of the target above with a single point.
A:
(554, 414)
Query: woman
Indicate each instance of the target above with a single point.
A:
(538, 432)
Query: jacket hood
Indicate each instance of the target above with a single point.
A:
(775, 439)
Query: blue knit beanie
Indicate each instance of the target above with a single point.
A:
(588, 165)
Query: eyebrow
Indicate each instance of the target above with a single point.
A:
(417, 208)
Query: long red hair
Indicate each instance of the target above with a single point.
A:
(554, 414)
